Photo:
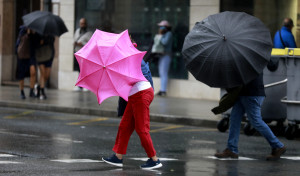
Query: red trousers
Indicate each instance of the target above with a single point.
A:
(136, 117)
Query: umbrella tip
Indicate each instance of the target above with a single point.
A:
(224, 38)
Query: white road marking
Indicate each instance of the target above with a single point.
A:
(9, 162)
(240, 158)
(77, 161)
(78, 142)
(291, 157)
(7, 155)
(161, 159)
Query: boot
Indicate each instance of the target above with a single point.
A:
(42, 94)
(31, 93)
(22, 95)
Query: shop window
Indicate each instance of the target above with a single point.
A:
(140, 17)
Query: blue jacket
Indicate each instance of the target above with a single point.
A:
(146, 72)
(287, 38)
(166, 41)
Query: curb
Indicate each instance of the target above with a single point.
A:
(108, 113)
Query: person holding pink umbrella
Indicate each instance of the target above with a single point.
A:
(136, 117)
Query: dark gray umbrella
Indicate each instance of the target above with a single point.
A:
(45, 23)
(227, 49)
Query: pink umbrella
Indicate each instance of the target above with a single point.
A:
(109, 65)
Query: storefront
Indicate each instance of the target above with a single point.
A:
(140, 17)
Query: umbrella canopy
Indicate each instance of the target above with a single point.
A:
(45, 23)
(109, 65)
(227, 49)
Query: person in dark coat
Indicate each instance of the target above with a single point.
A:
(249, 101)
(26, 64)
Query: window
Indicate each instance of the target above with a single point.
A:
(140, 17)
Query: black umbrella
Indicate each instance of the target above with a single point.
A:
(45, 23)
(227, 49)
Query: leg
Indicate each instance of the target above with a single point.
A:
(141, 105)
(126, 128)
(47, 74)
(21, 86)
(42, 81)
(236, 116)
(32, 76)
(163, 66)
(253, 109)
(42, 76)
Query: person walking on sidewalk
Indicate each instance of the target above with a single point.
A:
(136, 117)
(25, 61)
(284, 37)
(249, 101)
(44, 54)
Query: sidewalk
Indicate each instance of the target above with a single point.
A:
(163, 109)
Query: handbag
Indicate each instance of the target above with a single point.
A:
(23, 49)
(43, 53)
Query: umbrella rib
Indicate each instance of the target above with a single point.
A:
(91, 61)
(112, 82)
(122, 59)
(123, 74)
(88, 75)
(246, 46)
(242, 53)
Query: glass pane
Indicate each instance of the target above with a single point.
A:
(140, 17)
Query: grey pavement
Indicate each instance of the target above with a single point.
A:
(163, 109)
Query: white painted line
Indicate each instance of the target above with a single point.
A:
(291, 157)
(9, 162)
(7, 155)
(240, 158)
(78, 142)
(77, 161)
(161, 159)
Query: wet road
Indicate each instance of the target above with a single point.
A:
(45, 143)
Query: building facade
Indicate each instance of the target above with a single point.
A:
(140, 17)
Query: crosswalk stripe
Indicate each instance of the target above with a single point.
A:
(6, 156)
(161, 159)
(240, 158)
(291, 157)
(77, 161)
(9, 162)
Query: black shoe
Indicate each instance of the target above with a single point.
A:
(150, 164)
(113, 160)
(42, 94)
(162, 94)
(38, 90)
(22, 95)
(32, 94)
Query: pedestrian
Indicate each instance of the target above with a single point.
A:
(249, 101)
(44, 54)
(284, 37)
(136, 117)
(81, 37)
(25, 61)
(164, 61)
(48, 65)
